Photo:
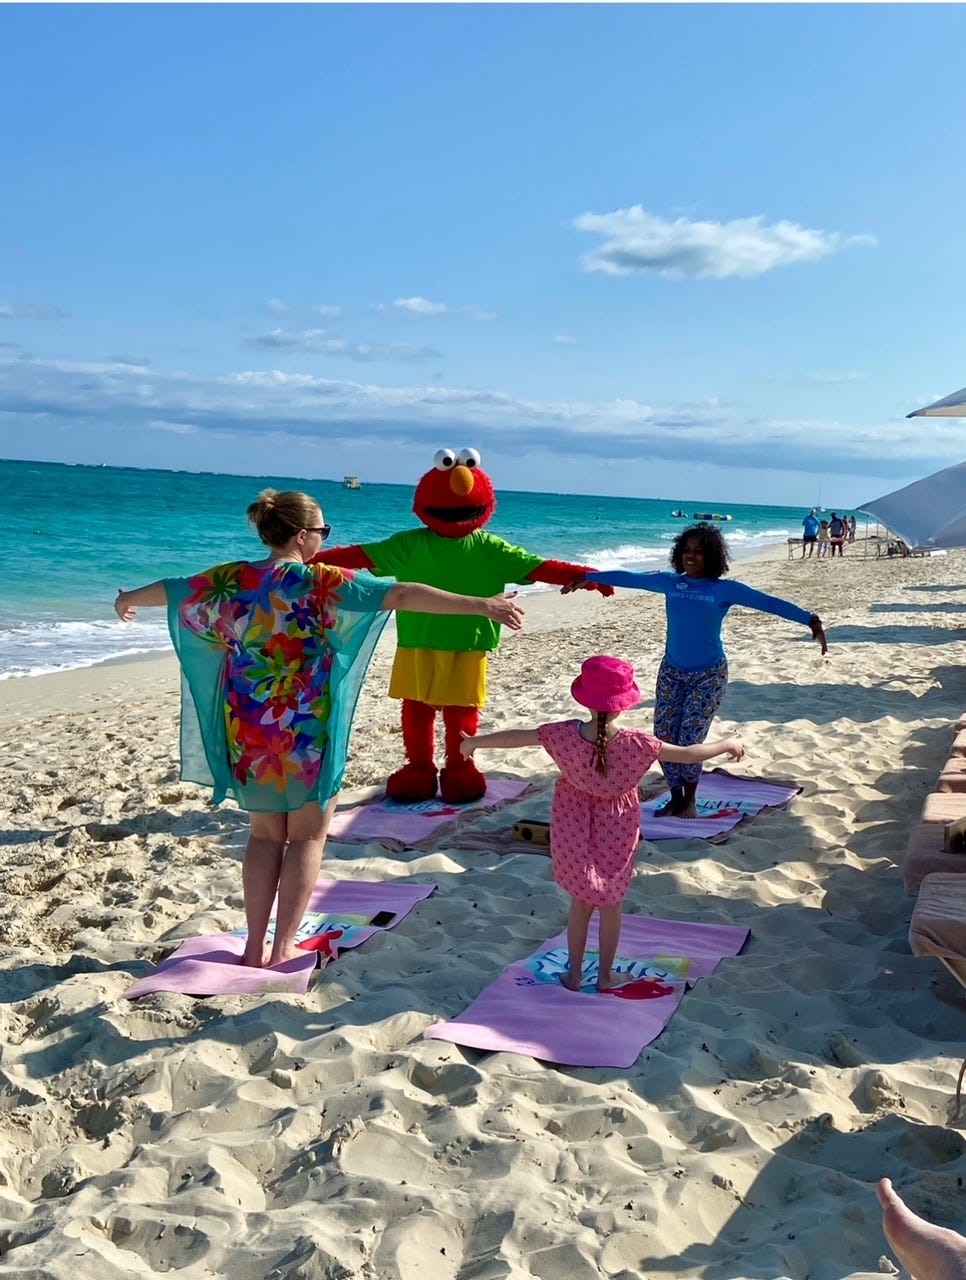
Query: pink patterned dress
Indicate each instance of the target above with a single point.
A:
(595, 818)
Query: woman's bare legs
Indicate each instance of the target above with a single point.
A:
(609, 924)
(577, 924)
(307, 829)
(260, 872)
(929, 1252)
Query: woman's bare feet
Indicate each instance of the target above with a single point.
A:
(569, 981)
(927, 1251)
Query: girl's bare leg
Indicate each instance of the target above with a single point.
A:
(260, 872)
(307, 829)
(577, 924)
(610, 936)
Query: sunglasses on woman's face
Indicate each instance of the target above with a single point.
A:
(323, 530)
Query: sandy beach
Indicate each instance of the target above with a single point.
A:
(321, 1137)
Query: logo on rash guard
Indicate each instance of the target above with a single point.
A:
(694, 595)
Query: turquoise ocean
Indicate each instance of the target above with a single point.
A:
(75, 534)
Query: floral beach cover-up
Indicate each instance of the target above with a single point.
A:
(272, 660)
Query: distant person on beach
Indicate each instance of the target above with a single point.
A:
(810, 527)
(693, 674)
(274, 653)
(824, 540)
(595, 820)
(851, 522)
(837, 533)
(926, 1251)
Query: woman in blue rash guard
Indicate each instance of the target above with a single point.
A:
(693, 674)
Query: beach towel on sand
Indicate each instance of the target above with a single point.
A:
(724, 799)
(341, 914)
(408, 824)
(526, 1010)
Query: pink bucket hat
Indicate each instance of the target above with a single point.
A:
(606, 684)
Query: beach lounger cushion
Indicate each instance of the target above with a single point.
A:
(926, 853)
(943, 807)
(938, 925)
(953, 776)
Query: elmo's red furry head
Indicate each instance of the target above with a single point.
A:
(456, 496)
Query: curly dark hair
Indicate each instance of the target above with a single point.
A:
(713, 547)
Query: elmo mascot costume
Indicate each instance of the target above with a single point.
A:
(440, 662)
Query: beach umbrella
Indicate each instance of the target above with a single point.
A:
(926, 513)
(953, 406)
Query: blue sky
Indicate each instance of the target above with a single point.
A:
(655, 250)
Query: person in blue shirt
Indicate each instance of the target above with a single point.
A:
(693, 675)
(810, 527)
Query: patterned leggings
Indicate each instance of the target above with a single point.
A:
(687, 702)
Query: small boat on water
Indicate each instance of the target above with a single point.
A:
(679, 515)
(351, 482)
(710, 515)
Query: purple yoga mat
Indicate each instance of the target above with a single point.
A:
(409, 823)
(341, 914)
(724, 800)
(526, 1010)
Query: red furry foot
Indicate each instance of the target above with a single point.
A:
(412, 783)
(461, 782)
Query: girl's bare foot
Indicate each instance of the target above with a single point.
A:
(610, 981)
(255, 955)
(929, 1252)
(569, 981)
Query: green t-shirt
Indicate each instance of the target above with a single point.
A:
(481, 564)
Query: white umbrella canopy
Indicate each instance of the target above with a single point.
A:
(953, 406)
(926, 513)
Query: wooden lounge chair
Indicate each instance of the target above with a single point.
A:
(938, 928)
(927, 851)
(938, 925)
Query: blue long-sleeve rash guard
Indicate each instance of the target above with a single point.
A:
(696, 609)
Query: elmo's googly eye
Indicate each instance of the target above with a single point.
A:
(445, 460)
(468, 458)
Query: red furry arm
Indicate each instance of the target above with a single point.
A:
(558, 573)
(344, 558)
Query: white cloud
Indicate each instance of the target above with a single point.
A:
(318, 342)
(176, 428)
(565, 340)
(279, 307)
(636, 241)
(417, 306)
(31, 311)
(41, 395)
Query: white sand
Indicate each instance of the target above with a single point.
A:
(322, 1136)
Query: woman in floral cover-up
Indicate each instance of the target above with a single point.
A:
(273, 654)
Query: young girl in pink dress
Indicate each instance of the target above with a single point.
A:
(595, 822)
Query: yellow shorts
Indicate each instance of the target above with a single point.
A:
(438, 677)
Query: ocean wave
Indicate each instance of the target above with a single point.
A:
(34, 649)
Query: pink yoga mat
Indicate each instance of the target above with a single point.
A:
(724, 800)
(526, 1010)
(409, 823)
(341, 914)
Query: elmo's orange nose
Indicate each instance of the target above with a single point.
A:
(461, 481)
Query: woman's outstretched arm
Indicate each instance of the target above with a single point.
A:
(416, 597)
(155, 593)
